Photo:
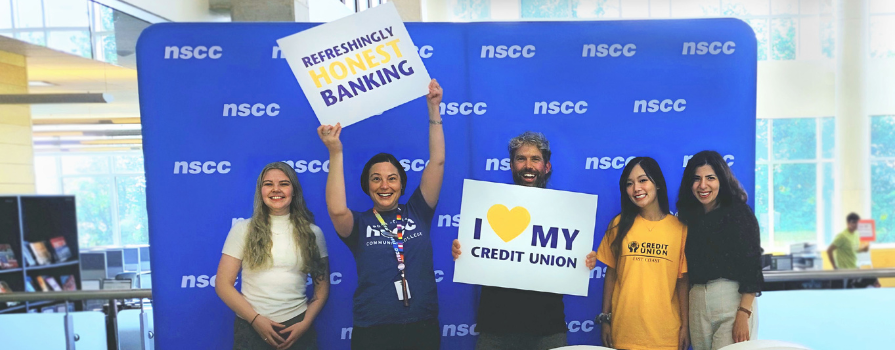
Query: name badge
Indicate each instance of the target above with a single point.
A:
(398, 288)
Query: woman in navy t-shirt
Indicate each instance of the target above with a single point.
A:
(396, 301)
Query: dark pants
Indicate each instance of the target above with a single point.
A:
(245, 337)
(423, 335)
(519, 341)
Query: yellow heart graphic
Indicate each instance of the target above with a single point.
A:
(508, 224)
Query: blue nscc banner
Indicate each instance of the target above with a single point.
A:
(218, 102)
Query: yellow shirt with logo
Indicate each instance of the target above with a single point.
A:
(645, 307)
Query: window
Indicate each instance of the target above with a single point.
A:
(794, 180)
(110, 194)
(784, 29)
(882, 25)
(469, 10)
(882, 176)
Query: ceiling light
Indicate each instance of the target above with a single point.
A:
(40, 83)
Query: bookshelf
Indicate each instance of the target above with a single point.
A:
(36, 218)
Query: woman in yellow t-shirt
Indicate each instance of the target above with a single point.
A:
(645, 289)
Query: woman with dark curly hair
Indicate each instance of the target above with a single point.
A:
(723, 253)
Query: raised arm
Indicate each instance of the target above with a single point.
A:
(433, 175)
(336, 202)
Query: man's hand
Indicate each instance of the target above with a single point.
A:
(591, 260)
(455, 249)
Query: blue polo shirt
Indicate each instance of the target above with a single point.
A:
(376, 300)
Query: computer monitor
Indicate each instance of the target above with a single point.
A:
(93, 265)
(114, 262)
(90, 284)
(144, 280)
(144, 259)
(131, 259)
(110, 284)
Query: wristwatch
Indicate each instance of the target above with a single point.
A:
(604, 318)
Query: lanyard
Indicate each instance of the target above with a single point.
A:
(398, 246)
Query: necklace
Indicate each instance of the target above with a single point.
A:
(650, 228)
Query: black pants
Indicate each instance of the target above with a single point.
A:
(245, 336)
(422, 335)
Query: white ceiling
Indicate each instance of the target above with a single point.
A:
(74, 74)
(56, 125)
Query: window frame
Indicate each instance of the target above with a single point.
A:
(819, 161)
(110, 175)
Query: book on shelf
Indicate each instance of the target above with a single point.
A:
(41, 254)
(52, 283)
(69, 283)
(7, 257)
(29, 285)
(42, 284)
(27, 257)
(60, 248)
(4, 288)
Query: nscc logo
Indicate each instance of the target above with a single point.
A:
(555, 107)
(414, 164)
(425, 51)
(666, 105)
(603, 50)
(246, 109)
(313, 166)
(514, 51)
(197, 52)
(606, 162)
(464, 108)
(728, 157)
(209, 167)
(495, 164)
(714, 48)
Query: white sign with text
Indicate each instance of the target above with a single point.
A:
(525, 237)
(356, 67)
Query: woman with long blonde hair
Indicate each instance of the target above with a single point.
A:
(276, 249)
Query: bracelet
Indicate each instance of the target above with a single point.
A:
(747, 311)
(433, 122)
(253, 319)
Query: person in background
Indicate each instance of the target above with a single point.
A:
(396, 301)
(723, 253)
(276, 249)
(843, 252)
(645, 288)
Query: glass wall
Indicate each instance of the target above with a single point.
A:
(110, 194)
(794, 180)
(882, 176)
(785, 29)
(79, 27)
